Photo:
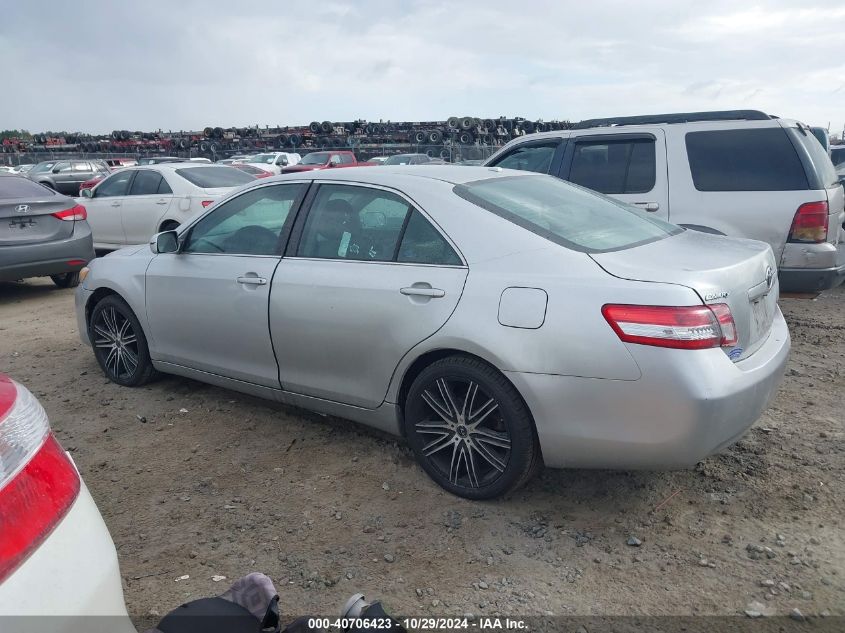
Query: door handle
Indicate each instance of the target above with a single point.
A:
(115, 204)
(651, 207)
(415, 291)
(252, 281)
(161, 202)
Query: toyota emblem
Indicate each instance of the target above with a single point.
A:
(770, 276)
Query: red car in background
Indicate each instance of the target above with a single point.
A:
(325, 160)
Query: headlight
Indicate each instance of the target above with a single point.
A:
(83, 274)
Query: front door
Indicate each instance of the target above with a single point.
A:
(207, 304)
(368, 279)
(104, 210)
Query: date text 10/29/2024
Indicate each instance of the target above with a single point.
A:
(418, 624)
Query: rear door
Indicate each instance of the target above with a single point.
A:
(629, 166)
(142, 209)
(104, 209)
(62, 175)
(366, 278)
(26, 210)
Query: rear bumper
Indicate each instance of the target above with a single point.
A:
(48, 258)
(810, 279)
(687, 405)
(72, 581)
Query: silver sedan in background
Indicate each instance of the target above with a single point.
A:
(497, 320)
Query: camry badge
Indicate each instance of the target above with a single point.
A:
(22, 208)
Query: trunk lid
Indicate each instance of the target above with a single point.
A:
(739, 272)
(27, 221)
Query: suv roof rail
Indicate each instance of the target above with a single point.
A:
(680, 117)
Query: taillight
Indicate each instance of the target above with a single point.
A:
(206, 203)
(38, 483)
(76, 213)
(810, 223)
(679, 327)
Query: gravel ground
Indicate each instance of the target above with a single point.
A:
(199, 481)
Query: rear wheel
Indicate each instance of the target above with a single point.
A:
(470, 430)
(66, 280)
(119, 343)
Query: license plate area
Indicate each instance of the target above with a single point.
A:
(22, 223)
(762, 315)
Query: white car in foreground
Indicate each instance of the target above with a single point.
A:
(135, 203)
(274, 161)
(56, 555)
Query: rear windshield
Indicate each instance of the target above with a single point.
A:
(757, 159)
(213, 177)
(566, 214)
(316, 158)
(818, 156)
(17, 187)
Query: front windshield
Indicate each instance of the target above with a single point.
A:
(400, 159)
(566, 214)
(315, 158)
(263, 158)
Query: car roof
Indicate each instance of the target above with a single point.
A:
(391, 175)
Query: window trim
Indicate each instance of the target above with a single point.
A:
(568, 159)
(284, 235)
(305, 211)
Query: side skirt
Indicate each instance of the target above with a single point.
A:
(385, 418)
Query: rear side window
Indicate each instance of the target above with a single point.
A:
(624, 166)
(214, 177)
(146, 183)
(761, 159)
(14, 187)
(565, 214)
(422, 244)
(530, 157)
(822, 164)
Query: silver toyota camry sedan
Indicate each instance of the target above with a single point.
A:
(497, 320)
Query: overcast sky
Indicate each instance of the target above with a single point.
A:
(95, 66)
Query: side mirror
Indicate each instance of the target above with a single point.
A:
(86, 193)
(56, 170)
(165, 242)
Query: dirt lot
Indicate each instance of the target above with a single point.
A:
(199, 481)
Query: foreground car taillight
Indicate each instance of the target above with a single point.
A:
(810, 223)
(679, 327)
(38, 483)
(75, 213)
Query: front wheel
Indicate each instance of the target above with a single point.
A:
(470, 430)
(119, 343)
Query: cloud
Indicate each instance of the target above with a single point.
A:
(94, 65)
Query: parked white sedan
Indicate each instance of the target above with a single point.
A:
(56, 555)
(133, 204)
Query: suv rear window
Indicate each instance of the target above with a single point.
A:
(213, 177)
(761, 159)
(566, 214)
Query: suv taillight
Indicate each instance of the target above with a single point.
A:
(38, 483)
(679, 327)
(810, 223)
(75, 213)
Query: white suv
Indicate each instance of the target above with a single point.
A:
(741, 172)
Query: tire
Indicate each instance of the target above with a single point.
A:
(112, 319)
(435, 137)
(314, 126)
(488, 458)
(326, 127)
(66, 280)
